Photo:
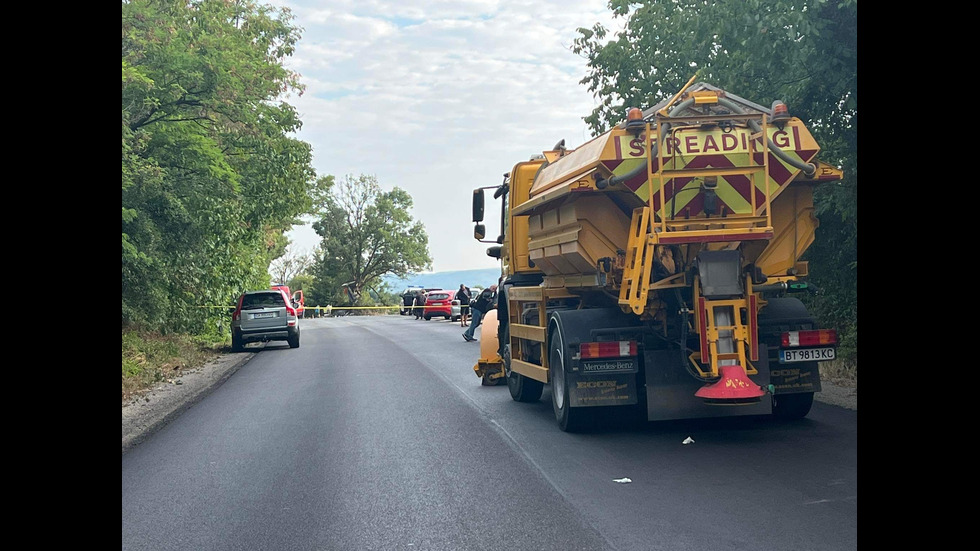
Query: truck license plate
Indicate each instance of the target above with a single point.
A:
(806, 355)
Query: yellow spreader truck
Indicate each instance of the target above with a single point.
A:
(652, 268)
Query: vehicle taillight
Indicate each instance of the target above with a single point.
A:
(609, 349)
(237, 314)
(290, 311)
(814, 337)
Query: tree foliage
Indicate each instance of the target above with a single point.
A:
(366, 233)
(288, 266)
(210, 178)
(803, 52)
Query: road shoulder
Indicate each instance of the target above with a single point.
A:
(842, 394)
(166, 401)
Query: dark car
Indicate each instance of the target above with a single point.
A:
(263, 316)
(408, 296)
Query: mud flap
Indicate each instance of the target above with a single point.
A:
(599, 381)
(795, 378)
(601, 390)
(670, 390)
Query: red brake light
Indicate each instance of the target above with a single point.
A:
(609, 349)
(815, 337)
(237, 314)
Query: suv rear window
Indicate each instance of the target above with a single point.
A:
(263, 300)
(438, 296)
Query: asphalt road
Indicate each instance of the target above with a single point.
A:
(376, 434)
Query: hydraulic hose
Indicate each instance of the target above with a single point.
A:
(807, 168)
(653, 148)
(683, 340)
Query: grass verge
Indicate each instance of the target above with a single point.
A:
(839, 372)
(151, 358)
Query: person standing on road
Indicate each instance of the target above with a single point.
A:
(419, 304)
(483, 304)
(463, 296)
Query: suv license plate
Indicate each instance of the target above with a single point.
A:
(806, 355)
(264, 315)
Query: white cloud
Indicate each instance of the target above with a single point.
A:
(439, 97)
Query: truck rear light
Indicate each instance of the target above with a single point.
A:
(609, 349)
(816, 337)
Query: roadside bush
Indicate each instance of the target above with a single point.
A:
(149, 358)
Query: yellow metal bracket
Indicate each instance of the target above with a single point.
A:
(673, 99)
(636, 272)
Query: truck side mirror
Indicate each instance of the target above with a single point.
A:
(478, 205)
(494, 251)
(479, 232)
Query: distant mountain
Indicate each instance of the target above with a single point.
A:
(482, 277)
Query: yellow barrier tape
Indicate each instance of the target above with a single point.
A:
(346, 307)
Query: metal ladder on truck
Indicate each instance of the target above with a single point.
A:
(725, 339)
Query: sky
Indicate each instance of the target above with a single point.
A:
(439, 97)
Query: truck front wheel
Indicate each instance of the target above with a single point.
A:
(785, 314)
(522, 389)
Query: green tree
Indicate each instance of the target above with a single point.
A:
(366, 233)
(289, 265)
(210, 178)
(803, 52)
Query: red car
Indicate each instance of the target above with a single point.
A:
(296, 297)
(439, 303)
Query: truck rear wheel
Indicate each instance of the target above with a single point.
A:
(785, 314)
(569, 419)
(792, 406)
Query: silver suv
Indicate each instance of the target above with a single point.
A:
(263, 316)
